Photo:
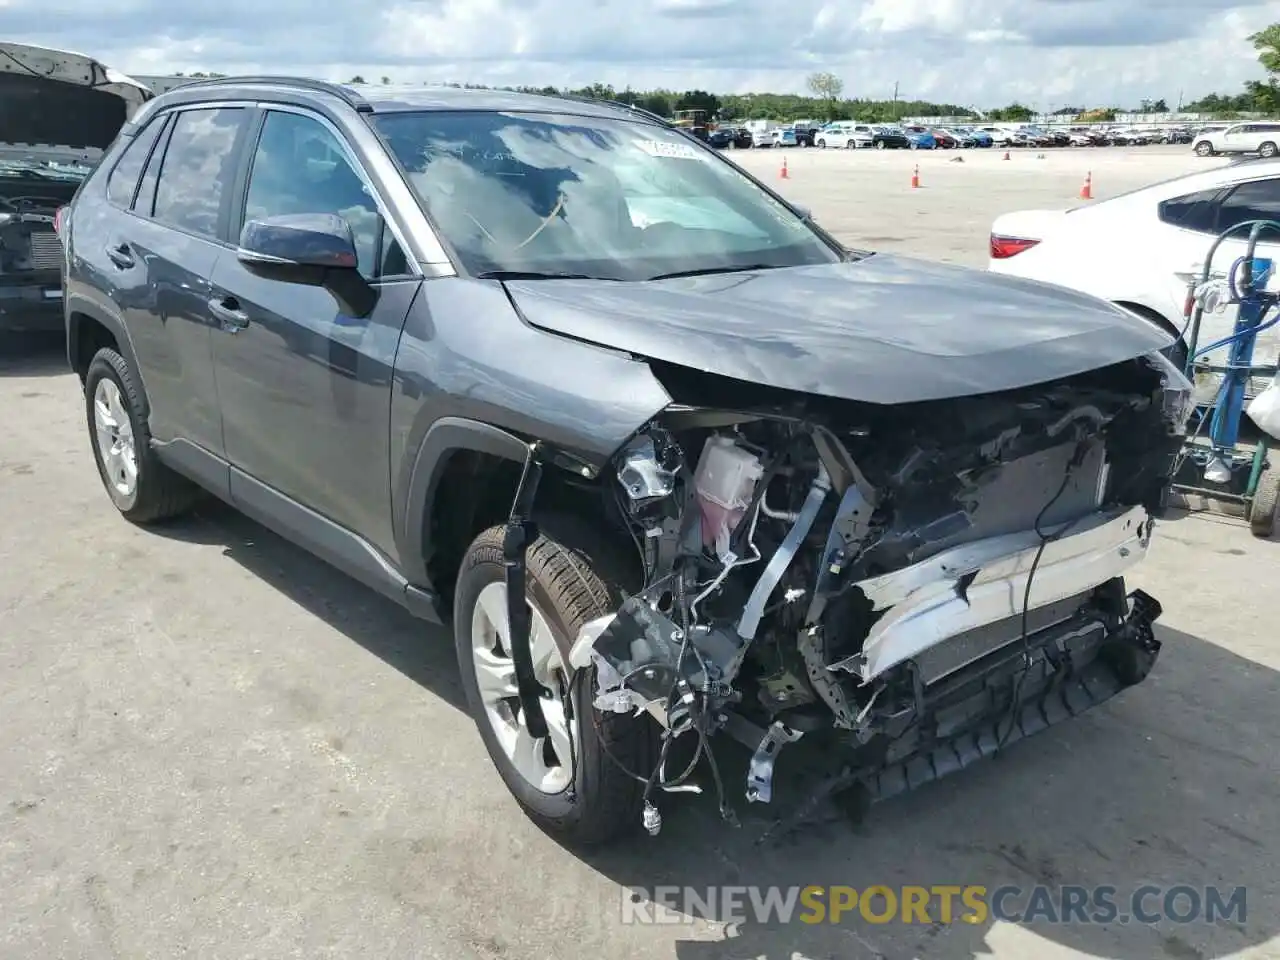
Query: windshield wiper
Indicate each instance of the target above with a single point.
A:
(532, 275)
(708, 271)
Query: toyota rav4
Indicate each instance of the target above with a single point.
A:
(534, 367)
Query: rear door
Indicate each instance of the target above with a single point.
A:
(181, 207)
(306, 390)
(157, 249)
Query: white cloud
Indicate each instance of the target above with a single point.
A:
(983, 52)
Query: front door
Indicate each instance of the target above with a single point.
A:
(306, 390)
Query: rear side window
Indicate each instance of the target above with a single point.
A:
(1255, 200)
(198, 168)
(1193, 211)
(124, 176)
(145, 199)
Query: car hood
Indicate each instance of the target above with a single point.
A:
(57, 98)
(883, 329)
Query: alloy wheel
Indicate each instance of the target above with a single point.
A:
(545, 763)
(115, 437)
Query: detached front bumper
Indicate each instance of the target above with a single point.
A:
(1018, 690)
(962, 589)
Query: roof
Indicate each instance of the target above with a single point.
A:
(391, 98)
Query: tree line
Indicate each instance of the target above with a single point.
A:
(826, 101)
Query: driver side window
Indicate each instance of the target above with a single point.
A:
(300, 167)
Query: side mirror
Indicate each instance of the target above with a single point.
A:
(312, 249)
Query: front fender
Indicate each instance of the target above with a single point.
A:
(443, 438)
(472, 374)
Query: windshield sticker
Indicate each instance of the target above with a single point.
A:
(659, 148)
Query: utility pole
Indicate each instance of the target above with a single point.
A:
(895, 101)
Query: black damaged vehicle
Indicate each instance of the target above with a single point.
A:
(58, 112)
(534, 367)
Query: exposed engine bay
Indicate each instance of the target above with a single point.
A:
(28, 243)
(918, 584)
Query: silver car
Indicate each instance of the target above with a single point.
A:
(1259, 138)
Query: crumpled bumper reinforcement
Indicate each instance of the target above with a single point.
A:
(985, 581)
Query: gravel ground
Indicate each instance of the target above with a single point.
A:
(221, 748)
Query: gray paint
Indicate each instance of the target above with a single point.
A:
(883, 329)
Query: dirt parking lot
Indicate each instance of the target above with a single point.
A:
(218, 747)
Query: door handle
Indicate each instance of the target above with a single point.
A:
(121, 256)
(229, 314)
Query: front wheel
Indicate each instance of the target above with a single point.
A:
(880, 144)
(822, 144)
(1204, 149)
(582, 782)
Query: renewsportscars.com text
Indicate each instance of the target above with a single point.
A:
(939, 903)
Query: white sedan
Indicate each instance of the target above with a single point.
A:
(1139, 250)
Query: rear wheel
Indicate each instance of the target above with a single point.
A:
(1268, 149)
(142, 488)
(580, 782)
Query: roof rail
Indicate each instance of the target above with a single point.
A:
(346, 94)
(618, 103)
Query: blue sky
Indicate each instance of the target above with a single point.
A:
(1047, 53)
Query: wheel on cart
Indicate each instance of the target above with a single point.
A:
(1262, 512)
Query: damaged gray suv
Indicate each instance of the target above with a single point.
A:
(534, 367)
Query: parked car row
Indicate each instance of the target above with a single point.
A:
(1030, 135)
(853, 135)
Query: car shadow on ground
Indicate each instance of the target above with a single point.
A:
(423, 652)
(33, 354)
(1171, 783)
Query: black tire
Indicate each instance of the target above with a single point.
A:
(571, 579)
(1267, 150)
(1204, 149)
(880, 144)
(159, 494)
(1266, 504)
(822, 143)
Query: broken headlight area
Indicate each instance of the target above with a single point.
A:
(903, 582)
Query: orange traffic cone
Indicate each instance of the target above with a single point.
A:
(915, 178)
(782, 174)
(1086, 191)
(1006, 154)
